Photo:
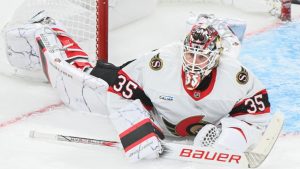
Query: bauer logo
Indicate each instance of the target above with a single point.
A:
(210, 156)
(167, 98)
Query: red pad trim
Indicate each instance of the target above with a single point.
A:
(65, 40)
(241, 131)
(82, 65)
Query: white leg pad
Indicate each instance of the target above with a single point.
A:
(137, 132)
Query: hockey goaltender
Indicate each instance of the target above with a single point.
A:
(194, 89)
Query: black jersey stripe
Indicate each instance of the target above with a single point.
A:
(243, 106)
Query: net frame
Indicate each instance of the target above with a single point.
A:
(102, 30)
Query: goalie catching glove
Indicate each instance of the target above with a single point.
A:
(139, 135)
(234, 135)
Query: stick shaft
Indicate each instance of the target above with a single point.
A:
(73, 139)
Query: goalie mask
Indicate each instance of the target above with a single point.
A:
(201, 52)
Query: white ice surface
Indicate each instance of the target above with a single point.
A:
(24, 103)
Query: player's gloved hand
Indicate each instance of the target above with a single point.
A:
(154, 153)
(207, 136)
(234, 135)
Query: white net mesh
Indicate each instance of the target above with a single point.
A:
(271, 6)
(181, 0)
(188, 1)
(78, 16)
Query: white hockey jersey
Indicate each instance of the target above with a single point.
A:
(157, 80)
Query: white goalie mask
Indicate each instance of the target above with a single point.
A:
(201, 52)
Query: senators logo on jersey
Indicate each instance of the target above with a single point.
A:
(156, 63)
(186, 127)
(242, 76)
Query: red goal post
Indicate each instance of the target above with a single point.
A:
(102, 30)
(285, 14)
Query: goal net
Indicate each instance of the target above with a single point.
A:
(88, 21)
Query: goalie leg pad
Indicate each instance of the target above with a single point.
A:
(77, 89)
(138, 133)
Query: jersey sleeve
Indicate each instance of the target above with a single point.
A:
(254, 106)
(128, 85)
(127, 88)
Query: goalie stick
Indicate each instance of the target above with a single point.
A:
(250, 159)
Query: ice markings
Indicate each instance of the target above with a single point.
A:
(274, 56)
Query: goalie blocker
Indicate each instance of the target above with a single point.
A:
(139, 135)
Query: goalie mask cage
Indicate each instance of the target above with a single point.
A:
(87, 20)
